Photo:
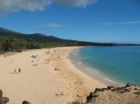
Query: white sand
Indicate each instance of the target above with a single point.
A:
(51, 78)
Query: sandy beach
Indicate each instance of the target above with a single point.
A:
(44, 76)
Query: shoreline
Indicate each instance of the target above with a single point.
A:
(92, 72)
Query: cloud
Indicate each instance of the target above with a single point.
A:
(52, 25)
(33, 5)
(121, 23)
(77, 3)
(15, 5)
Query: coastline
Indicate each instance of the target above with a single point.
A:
(49, 77)
(92, 72)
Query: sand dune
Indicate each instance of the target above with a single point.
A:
(44, 76)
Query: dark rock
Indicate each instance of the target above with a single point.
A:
(124, 90)
(6, 100)
(104, 89)
(110, 87)
(3, 100)
(98, 90)
(129, 85)
(135, 88)
(91, 96)
(137, 93)
(1, 94)
(26, 102)
(120, 89)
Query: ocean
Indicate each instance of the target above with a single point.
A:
(118, 63)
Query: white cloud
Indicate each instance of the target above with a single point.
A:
(77, 3)
(32, 5)
(121, 23)
(53, 25)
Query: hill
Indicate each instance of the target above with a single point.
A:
(15, 41)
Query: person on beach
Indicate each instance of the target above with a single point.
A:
(14, 70)
(19, 70)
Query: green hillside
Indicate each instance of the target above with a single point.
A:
(15, 41)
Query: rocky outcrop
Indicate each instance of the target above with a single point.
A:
(26, 102)
(129, 94)
(3, 100)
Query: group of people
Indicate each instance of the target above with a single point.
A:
(17, 71)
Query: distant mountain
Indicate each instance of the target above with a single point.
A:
(12, 40)
(37, 37)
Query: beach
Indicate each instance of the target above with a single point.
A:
(44, 76)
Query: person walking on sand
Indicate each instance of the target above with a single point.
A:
(14, 70)
(19, 70)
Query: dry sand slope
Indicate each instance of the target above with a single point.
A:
(44, 76)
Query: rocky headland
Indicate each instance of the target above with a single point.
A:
(129, 94)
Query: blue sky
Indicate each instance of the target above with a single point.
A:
(88, 20)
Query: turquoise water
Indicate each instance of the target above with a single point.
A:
(121, 63)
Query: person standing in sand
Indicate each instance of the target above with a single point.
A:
(14, 70)
(19, 70)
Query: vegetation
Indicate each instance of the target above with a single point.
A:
(14, 41)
